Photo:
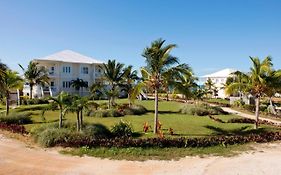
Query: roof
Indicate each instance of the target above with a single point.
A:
(221, 73)
(69, 56)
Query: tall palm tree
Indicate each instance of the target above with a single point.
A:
(63, 101)
(35, 75)
(130, 76)
(113, 74)
(78, 84)
(12, 80)
(257, 82)
(158, 61)
(210, 86)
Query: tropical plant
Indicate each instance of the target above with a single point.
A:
(158, 62)
(11, 81)
(210, 86)
(78, 84)
(97, 90)
(35, 75)
(78, 105)
(257, 82)
(62, 101)
(113, 74)
(129, 78)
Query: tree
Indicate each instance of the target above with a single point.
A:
(78, 105)
(257, 82)
(11, 80)
(179, 78)
(78, 84)
(158, 61)
(210, 86)
(97, 90)
(113, 74)
(35, 75)
(130, 76)
(63, 101)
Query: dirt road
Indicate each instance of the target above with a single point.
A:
(18, 159)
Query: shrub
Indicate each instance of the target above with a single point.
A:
(122, 129)
(134, 110)
(34, 101)
(202, 110)
(17, 118)
(32, 108)
(249, 107)
(105, 113)
(52, 136)
(97, 131)
(13, 128)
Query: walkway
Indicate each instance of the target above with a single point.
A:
(251, 116)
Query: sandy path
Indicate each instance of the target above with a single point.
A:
(17, 158)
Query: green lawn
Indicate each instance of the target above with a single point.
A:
(182, 124)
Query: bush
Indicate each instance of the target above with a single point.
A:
(52, 136)
(134, 110)
(105, 113)
(202, 110)
(34, 101)
(17, 118)
(13, 128)
(249, 107)
(32, 108)
(122, 129)
(97, 131)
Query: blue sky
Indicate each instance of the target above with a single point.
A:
(210, 34)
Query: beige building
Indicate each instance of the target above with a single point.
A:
(64, 67)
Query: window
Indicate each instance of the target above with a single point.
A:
(85, 70)
(52, 70)
(99, 70)
(66, 69)
(52, 84)
(66, 84)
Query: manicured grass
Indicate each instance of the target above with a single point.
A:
(142, 154)
(182, 124)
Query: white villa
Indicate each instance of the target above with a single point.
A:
(63, 67)
(219, 79)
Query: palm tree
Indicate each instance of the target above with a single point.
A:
(78, 105)
(113, 74)
(186, 85)
(78, 84)
(176, 76)
(11, 80)
(35, 75)
(210, 86)
(159, 61)
(257, 82)
(97, 90)
(130, 76)
(63, 101)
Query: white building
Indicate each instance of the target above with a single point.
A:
(219, 79)
(65, 66)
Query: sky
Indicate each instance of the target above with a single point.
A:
(210, 34)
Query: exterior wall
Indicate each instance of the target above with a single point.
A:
(58, 74)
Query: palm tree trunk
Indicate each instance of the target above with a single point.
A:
(272, 109)
(257, 112)
(167, 96)
(31, 89)
(7, 103)
(78, 121)
(155, 130)
(60, 119)
(81, 119)
(129, 99)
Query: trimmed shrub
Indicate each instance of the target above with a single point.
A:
(34, 101)
(135, 110)
(17, 118)
(97, 131)
(202, 110)
(122, 129)
(105, 113)
(32, 108)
